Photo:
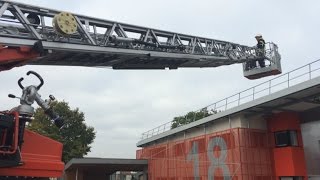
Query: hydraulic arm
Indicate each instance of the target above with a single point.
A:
(42, 36)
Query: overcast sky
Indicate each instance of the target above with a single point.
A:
(120, 105)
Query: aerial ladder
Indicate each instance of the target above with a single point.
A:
(32, 35)
(40, 36)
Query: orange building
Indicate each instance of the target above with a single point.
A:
(270, 131)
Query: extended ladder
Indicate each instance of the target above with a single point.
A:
(99, 42)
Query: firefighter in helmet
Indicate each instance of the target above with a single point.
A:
(260, 49)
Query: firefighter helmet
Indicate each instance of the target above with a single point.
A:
(258, 36)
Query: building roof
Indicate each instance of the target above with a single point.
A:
(107, 165)
(298, 98)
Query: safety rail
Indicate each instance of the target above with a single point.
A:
(278, 83)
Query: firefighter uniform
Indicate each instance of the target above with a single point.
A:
(261, 44)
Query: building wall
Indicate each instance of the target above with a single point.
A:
(235, 121)
(288, 160)
(237, 148)
(311, 142)
(256, 122)
(238, 152)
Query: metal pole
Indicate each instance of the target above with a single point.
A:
(269, 86)
(288, 79)
(226, 103)
(253, 93)
(309, 71)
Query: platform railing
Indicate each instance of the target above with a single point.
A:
(296, 76)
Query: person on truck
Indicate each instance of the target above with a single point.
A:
(261, 44)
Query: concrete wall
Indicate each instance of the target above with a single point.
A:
(311, 141)
(256, 122)
(235, 121)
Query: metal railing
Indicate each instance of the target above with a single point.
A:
(278, 83)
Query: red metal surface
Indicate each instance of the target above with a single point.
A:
(11, 57)
(288, 161)
(247, 156)
(41, 157)
(284, 121)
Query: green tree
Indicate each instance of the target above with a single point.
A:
(191, 117)
(75, 136)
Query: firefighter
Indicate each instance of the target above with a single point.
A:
(260, 49)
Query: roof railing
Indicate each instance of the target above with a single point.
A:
(296, 76)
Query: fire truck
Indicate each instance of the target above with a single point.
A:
(32, 35)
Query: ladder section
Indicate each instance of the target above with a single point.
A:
(99, 42)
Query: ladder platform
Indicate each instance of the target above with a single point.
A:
(272, 64)
(257, 73)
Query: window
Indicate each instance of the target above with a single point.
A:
(286, 138)
(293, 138)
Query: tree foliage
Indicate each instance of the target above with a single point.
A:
(191, 117)
(75, 136)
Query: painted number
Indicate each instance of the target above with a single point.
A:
(215, 162)
(193, 155)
